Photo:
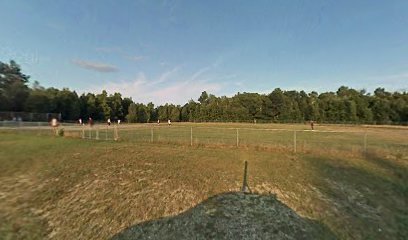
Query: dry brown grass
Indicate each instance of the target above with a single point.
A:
(64, 188)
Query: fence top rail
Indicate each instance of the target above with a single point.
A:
(235, 128)
(74, 127)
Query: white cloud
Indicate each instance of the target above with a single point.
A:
(166, 88)
(95, 66)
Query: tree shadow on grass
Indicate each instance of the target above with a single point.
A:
(369, 205)
(233, 215)
(399, 171)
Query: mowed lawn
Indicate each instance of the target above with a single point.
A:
(68, 188)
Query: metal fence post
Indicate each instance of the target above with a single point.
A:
(97, 134)
(115, 132)
(237, 137)
(83, 132)
(245, 183)
(191, 137)
(106, 133)
(294, 141)
(365, 143)
(151, 135)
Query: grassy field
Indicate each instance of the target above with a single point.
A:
(65, 188)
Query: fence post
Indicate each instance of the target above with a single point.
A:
(106, 133)
(365, 143)
(83, 132)
(245, 184)
(97, 134)
(294, 141)
(115, 132)
(237, 137)
(151, 135)
(191, 137)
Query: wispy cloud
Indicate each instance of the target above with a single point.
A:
(206, 69)
(165, 76)
(168, 87)
(176, 93)
(95, 66)
(200, 72)
(163, 63)
(133, 88)
(135, 58)
(108, 49)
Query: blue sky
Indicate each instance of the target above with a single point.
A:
(172, 50)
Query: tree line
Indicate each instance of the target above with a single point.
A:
(346, 105)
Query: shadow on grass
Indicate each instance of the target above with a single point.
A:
(399, 171)
(367, 204)
(233, 215)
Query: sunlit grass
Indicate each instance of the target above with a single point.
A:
(64, 187)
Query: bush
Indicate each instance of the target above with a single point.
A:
(60, 132)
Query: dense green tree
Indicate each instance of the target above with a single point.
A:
(344, 105)
(68, 104)
(137, 112)
(13, 87)
(131, 117)
(125, 105)
(203, 97)
(152, 112)
(116, 108)
(104, 110)
(38, 101)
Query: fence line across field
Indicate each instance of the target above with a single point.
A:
(293, 140)
(218, 135)
(260, 129)
(97, 132)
